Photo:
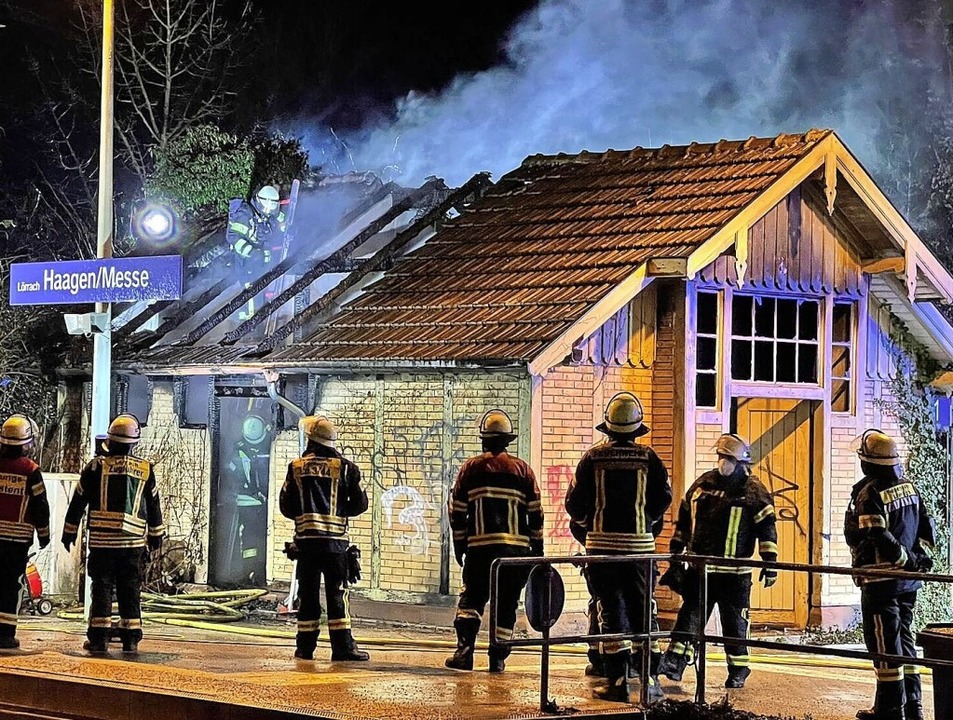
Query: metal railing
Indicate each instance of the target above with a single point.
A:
(699, 636)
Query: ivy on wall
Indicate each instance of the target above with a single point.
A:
(928, 459)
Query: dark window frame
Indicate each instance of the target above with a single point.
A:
(716, 370)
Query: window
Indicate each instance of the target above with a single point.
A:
(774, 339)
(706, 352)
(132, 394)
(296, 389)
(193, 400)
(842, 340)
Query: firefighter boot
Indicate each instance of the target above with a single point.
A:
(462, 658)
(344, 649)
(616, 688)
(877, 713)
(737, 676)
(9, 643)
(673, 665)
(498, 657)
(913, 692)
(913, 711)
(596, 666)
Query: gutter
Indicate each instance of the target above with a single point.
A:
(271, 378)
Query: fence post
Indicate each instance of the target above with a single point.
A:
(702, 645)
(649, 568)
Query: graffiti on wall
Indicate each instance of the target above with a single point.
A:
(557, 482)
(415, 541)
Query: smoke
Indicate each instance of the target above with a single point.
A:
(615, 74)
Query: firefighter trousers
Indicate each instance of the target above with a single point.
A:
(312, 565)
(732, 593)
(620, 590)
(888, 630)
(119, 570)
(594, 654)
(475, 594)
(12, 567)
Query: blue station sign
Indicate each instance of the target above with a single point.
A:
(88, 281)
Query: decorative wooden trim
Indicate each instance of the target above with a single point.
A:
(884, 265)
(741, 254)
(668, 267)
(784, 391)
(910, 276)
(725, 237)
(591, 321)
(536, 426)
(830, 180)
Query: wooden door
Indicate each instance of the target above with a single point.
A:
(781, 436)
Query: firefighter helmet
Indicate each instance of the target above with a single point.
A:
(320, 430)
(878, 448)
(124, 429)
(732, 446)
(496, 424)
(17, 430)
(254, 429)
(623, 415)
(267, 199)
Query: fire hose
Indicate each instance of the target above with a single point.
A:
(210, 607)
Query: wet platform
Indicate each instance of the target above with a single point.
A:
(197, 675)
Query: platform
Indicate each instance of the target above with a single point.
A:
(184, 674)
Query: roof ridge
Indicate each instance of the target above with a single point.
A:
(722, 146)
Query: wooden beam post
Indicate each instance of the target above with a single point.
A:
(830, 180)
(741, 254)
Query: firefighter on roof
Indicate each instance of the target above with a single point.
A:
(23, 511)
(620, 494)
(724, 513)
(887, 525)
(254, 233)
(321, 491)
(495, 511)
(124, 514)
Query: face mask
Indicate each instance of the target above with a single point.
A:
(726, 466)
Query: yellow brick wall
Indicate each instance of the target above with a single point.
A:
(182, 460)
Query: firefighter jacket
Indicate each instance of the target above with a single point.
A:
(619, 494)
(887, 526)
(249, 231)
(496, 504)
(321, 491)
(23, 504)
(724, 517)
(123, 499)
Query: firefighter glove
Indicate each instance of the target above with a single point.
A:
(674, 577)
(924, 563)
(155, 543)
(68, 541)
(44, 541)
(536, 547)
(768, 577)
(459, 552)
(353, 564)
(291, 550)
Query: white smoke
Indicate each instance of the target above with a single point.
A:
(598, 74)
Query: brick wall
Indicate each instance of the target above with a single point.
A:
(182, 460)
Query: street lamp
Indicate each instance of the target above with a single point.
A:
(155, 224)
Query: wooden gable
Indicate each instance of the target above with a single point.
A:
(795, 247)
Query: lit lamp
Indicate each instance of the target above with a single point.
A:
(155, 224)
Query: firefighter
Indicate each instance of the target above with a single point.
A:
(495, 511)
(321, 491)
(23, 510)
(124, 516)
(248, 475)
(620, 493)
(253, 233)
(887, 525)
(723, 514)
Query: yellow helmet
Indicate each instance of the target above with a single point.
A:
(623, 415)
(731, 445)
(878, 448)
(320, 430)
(124, 429)
(496, 424)
(17, 430)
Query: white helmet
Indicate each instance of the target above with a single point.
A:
(124, 429)
(254, 429)
(18, 430)
(320, 430)
(267, 199)
(623, 415)
(496, 424)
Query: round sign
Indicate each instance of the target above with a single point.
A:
(545, 597)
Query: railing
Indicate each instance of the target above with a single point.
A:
(699, 637)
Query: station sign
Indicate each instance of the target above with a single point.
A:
(107, 280)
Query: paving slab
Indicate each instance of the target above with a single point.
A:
(196, 674)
